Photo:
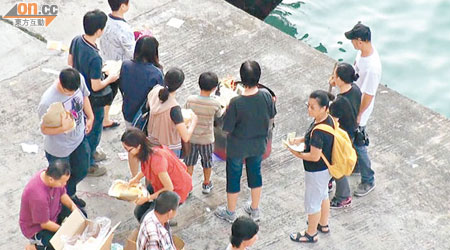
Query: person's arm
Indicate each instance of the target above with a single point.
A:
(128, 43)
(87, 108)
(70, 60)
(98, 84)
(50, 226)
(185, 132)
(165, 180)
(297, 140)
(313, 155)
(136, 178)
(66, 125)
(366, 99)
(66, 201)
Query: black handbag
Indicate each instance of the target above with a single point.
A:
(102, 97)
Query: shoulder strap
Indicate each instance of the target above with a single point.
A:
(329, 129)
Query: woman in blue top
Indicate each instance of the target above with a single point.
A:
(139, 76)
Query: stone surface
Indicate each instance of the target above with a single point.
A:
(410, 145)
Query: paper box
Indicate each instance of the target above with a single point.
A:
(131, 241)
(75, 224)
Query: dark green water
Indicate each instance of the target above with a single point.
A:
(412, 38)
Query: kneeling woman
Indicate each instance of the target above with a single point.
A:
(317, 202)
(162, 169)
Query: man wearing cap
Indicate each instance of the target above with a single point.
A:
(368, 67)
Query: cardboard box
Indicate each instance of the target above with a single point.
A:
(131, 241)
(75, 224)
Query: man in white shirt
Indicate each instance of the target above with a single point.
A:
(368, 67)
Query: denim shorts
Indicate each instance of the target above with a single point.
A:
(316, 190)
(234, 173)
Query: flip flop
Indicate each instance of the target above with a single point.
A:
(296, 237)
(112, 125)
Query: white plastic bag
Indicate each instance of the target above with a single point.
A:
(92, 236)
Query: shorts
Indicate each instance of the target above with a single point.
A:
(205, 151)
(234, 173)
(316, 190)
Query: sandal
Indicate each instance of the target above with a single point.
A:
(323, 229)
(309, 239)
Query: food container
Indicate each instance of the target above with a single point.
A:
(122, 191)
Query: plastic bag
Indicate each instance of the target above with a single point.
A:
(92, 236)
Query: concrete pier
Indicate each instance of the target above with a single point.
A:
(410, 144)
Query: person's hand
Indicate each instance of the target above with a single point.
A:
(294, 141)
(141, 200)
(66, 122)
(358, 119)
(193, 120)
(89, 124)
(332, 81)
(112, 78)
(133, 182)
(295, 153)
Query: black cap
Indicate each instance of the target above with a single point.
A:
(360, 31)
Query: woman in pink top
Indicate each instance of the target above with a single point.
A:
(160, 166)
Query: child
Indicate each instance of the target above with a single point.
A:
(116, 43)
(202, 140)
(84, 56)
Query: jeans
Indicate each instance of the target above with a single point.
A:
(141, 210)
(342, 189)
(234, 173)
(43, 237)
(79, 164)
(96, 133)
(364, 165)
(177, 152)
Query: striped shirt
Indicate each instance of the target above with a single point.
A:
(153, 235)
(206, 108)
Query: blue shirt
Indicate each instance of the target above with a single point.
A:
(86, 59)
(136, 81)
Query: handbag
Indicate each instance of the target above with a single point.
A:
(102, 97)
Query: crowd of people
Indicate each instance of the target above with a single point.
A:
(166, 149)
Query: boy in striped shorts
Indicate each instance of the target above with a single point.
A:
(206, 108)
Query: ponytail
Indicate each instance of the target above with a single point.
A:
(235, 241)
(164, 94)
(346, 72)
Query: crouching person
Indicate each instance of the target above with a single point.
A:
(45, 204)
(154, 232)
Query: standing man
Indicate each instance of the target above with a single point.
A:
(116, 43)
(368, 67)
(63, 143)
(84, 56)
(45, 204)
(154, 232)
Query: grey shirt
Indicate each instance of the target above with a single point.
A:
(62, 145)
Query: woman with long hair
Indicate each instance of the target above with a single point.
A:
(159, 166)
(317, 142)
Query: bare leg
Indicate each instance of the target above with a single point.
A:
(232, 200)
(106, 121)
(206, 175)
(324, 213)
(256, 196)
(313, 221)
(190, 170)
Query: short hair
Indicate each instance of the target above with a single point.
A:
(172, 81)
(58, 168)
(243, 228)
(346, 72)
(250, 73)
(70, 79)
(115, 4)
(323, 98)
(94, 20)
(166, 201)
(208, 81)
(359, 31)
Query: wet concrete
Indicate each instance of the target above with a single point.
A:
(410, 146)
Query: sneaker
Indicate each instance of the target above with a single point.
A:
(363, 189)
(345, 203)
(253, 213)
(79, 202)
(224, 214)
(96, 171)
(99, 156)
(330, 186)
(206, 189)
